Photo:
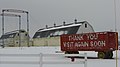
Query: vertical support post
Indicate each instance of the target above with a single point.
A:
(116, 31)
(28, 29)
(41, 59)
(19, 31)
(85, 65)
(116, 49)
(115, 15)
(3, 28)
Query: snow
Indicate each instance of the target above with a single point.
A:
(60, 27)
(52, 50)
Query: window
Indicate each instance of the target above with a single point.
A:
(22, 31)
(11, 36)
(85, 25)
(16, 42)
(61, 32)
(56, 33)
(38, 36)
(65, 32)
(18, 34)
(25, 34)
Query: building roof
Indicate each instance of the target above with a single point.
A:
(5, 36)
(10, 34)
(61, 26)
(15, 31)
(71, 28)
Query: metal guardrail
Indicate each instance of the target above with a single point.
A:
(41, 60)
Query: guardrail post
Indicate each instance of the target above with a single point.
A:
(41, 59)
(85, 64)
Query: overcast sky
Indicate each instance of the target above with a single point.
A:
(99, 13)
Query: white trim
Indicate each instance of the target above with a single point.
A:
(60, 27)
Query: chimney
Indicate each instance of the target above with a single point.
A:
(64, 23)
(75, 21)
(54, 25)
(46, 26)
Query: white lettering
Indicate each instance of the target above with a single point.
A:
(75, 44)
(92, 36)
(97, 43)
(84, 44)
(68, 44)
(75, 37)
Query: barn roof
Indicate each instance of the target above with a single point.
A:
(10, 34)
(62, 26)
(5, 36)
(58, 30)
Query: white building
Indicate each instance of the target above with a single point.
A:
(14, 38)
(50, 36)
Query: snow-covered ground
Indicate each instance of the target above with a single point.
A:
(52, 50)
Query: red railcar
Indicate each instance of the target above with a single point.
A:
(102, 42)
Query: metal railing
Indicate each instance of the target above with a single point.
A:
(42, 61)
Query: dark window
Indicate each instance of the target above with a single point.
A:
(22, 31)
(85, 25)
(25, 34)
(18, 34)
(72, 30)
(16, 42)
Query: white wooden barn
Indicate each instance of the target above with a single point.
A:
(14, 38)
(50, 36)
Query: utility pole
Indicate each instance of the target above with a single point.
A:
(116, 31)
(115, 15)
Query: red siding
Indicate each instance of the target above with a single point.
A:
(99, 41)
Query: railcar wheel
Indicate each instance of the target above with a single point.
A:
(109, 55)
(101, 55)
(66, 52)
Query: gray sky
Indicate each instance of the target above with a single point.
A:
(99, 13)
